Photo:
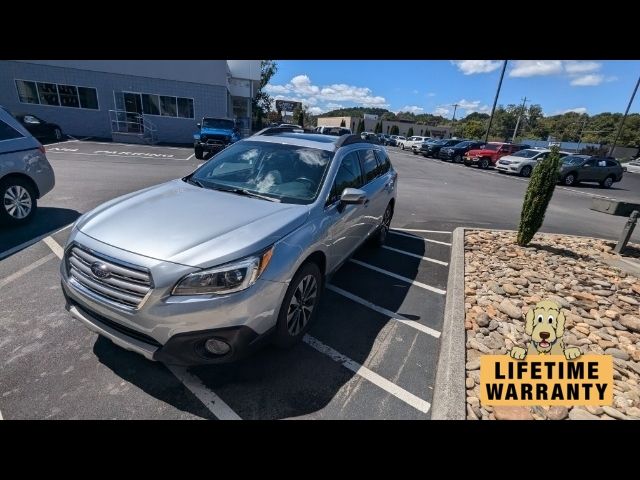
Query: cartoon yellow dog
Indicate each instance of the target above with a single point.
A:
(545, 324)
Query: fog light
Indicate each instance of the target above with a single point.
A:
(217, 347)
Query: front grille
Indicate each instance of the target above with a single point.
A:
(214, 139)
(124, 284)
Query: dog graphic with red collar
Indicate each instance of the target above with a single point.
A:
(545, 324)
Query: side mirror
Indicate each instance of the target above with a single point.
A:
(353, 196)
(198, 125)
(585, 166)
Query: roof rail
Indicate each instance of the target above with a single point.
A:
(277, 130)
(347, 139)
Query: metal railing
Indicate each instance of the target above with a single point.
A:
(133, 124)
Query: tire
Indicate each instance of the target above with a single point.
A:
(607, 182)
(526, 171)
(484, 163)
(18, 202)
(289, 331)
(415, 152)
(457, 159)
(199, 153)
(569, 179)
(57, 134)
(380, 236)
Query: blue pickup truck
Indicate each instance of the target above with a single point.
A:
(214, 135)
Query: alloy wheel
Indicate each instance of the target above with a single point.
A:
(302, 304)
(17, 202)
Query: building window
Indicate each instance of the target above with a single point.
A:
(185, 107)
(58, 95)
(48, 93)
(27, 91)
(168, 106)
(150, 104)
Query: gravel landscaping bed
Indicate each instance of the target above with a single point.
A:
(601, 305)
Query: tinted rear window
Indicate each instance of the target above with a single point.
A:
(7, 132)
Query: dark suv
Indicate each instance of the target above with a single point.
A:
(585, 168)
(455, 153)
(432, 149)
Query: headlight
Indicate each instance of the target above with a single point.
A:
(229, 278)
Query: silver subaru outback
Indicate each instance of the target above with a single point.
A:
(205, 268)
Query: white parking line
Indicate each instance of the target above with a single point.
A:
(433, 260)
(115, 155)
(191, 156)
(381, 382)
(27, 269)
(392, 315)
(129, 145)
(209, 399)
(425, 231)
(399, 277)
(420, 238)
(28, 243)
(54, 246)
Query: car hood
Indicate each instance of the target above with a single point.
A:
(511, 158)
(480, 151)
(216, 131)
(186, 224)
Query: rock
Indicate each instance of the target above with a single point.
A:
(594, 410)
(634, 366)
(593, 322)
(603, 293)
(473, 365)
(616, 352)
(473, 401)
(612, 412)
(633, 412)
(471, 415)
(629, 300)
(469, 382)
(585, 296)
(601, 283)
(473, 343)
(619, 326)
(483, 320)
(560, 301)
(538, 412)
(606, 344)
(510, 288)
(469, 291)
(636, 288)
(510, 309)
(520, 281)
(557, 413)
(631, 322)
(579, 414)
(612, 314)
(512, 413)
(493, 324)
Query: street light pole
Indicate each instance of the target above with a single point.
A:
(515, 132)
(455, 107)
(495, 100)
(624, 118)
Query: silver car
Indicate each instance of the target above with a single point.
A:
(25, 172)
(524, 161)
(204, 268)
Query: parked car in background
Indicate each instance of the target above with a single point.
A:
(412, 142)
(456, 153)
(39, 128)
(585, 168)
(205, 268)
(384, 138)
(489, 154)
(432, 149)
(400, 141)
(336, 131)
(370, 137)
(524, 161)
(392, 140)
(214, 134)
(25, 172)
(633, 166)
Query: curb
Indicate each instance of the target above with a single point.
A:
(449, 402)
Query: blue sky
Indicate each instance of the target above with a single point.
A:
(433, 86)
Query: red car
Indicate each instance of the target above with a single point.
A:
(490, 153)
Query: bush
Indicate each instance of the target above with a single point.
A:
(395, 130)
(360, 126)
(410, 132)
(539, 192)
(342, 124)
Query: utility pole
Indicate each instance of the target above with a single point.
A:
(624, 117)
(495, 100)
(584, 124)
(515, 132)
(455, 107)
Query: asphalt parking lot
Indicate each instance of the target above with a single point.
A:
(371, 355)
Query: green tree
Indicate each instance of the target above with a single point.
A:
(261, 103)
(539, 193)
(472, 129)
(388, 129)
(361, 126)
(410, 132)
(342, 124)
(395, 130)
(298, 116)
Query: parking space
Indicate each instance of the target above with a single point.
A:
(371, 355)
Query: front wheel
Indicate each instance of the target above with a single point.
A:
(415, 152)
(457, 159)
(199, 153)
(402, 146)
(484, 163)
(299, 307)
(569, 180)
(526, 171)
(57, 133)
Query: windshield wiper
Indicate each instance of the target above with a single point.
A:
(193, 181)
(248, 193)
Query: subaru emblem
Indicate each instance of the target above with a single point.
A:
(100, 270)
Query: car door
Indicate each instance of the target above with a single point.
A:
(375, 188)
(588, 171)
(614, 169)
(345, 227)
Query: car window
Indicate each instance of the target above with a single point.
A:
(369, 164)
(383, 161)
(591, 163)
(611, 163)
(31, 119)
(602, 162)
(349, 175)
(7, 132)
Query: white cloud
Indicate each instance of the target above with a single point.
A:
(415, 92)
(469, 67)
(276, 88)
(431, 94)
(315, 110)
(575, 67)
(473, 106)
(530, 68)
(442, 111)
(575, 110)
(590, 80)
(412, 108)
(611, 78)
(334, 106)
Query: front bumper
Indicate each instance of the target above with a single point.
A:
(508, 168)
(212, 147)
(471, 160)
(170, 328)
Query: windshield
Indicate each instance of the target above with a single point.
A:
(441, 142)
(571, 160)
(491, 146)
(526, 153)
(464, 144)
(218, 123)
(290, 173)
